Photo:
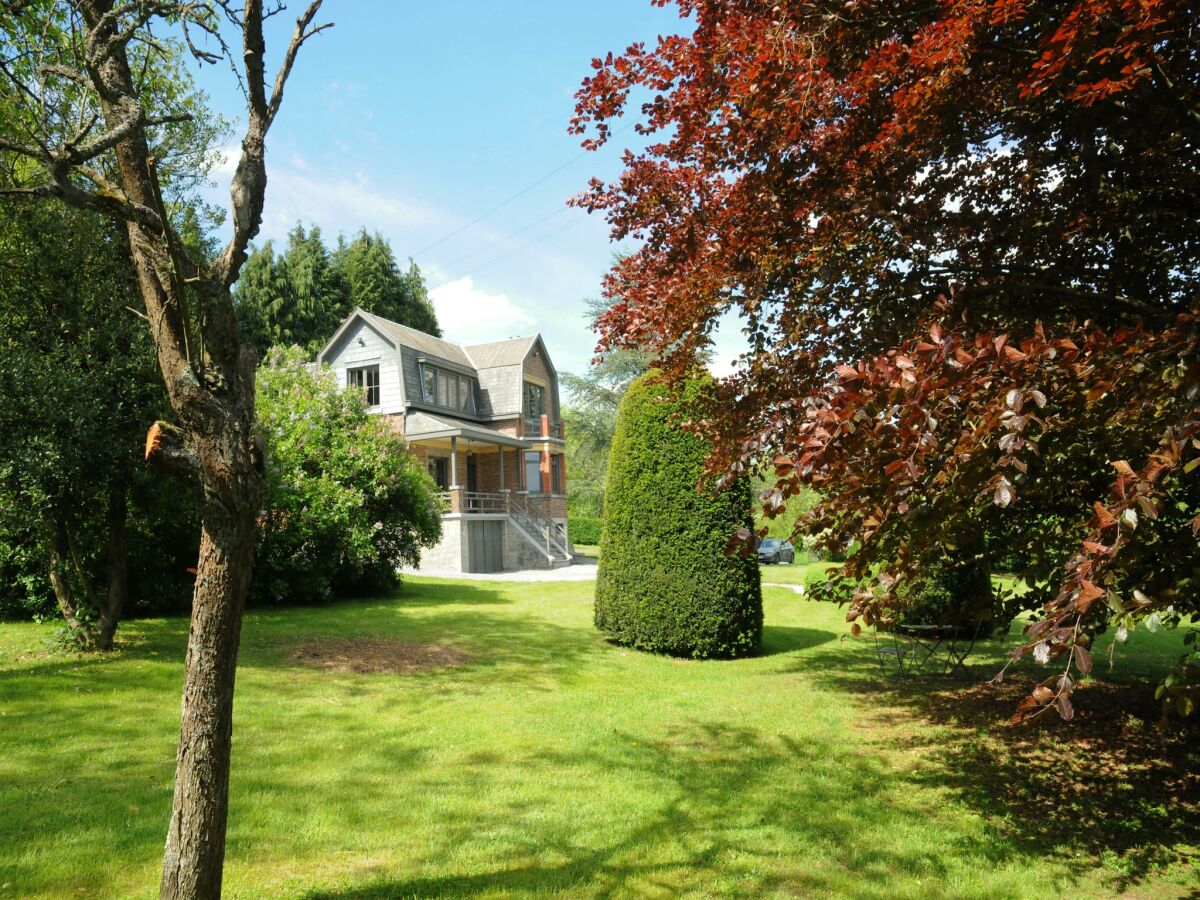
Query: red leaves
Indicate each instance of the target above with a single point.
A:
(1083, 658)
(801, 170)
(1087, 595)
(1104, 518)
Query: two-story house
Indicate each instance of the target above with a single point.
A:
(485, 420)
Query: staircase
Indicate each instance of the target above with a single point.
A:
(539, 530)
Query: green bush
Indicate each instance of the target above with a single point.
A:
(665, 582)
(954, 596)
(347, 503)
(585, 529)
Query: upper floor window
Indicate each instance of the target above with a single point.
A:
(366, 379)
(447, 390)
(535, 400)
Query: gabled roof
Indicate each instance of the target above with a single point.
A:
(418, 340)
(500, 353)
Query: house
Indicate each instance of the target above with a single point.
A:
(485, 421)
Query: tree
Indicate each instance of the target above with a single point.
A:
(665, 582)
(87, 129)
(302, 295)
(299, 297)
(962, 240)
(77, 378)
(377, 285)
(591, 420)
(347, 502)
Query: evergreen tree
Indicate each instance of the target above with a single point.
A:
(377, 285)
(666, 582)
(298, 297)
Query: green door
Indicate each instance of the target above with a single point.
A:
(485, 546)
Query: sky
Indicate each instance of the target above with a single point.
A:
(416, 119)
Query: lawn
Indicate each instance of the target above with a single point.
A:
(548, 762)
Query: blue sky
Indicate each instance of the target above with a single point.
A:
(413, 119)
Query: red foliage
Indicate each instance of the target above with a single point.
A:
(964, 240)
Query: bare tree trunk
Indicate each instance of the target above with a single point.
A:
(118, 567)
(195, 854)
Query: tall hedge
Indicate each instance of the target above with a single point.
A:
(665, 583)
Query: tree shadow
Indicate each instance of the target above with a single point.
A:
(777, 639)
(725, 797)
(1111, 787)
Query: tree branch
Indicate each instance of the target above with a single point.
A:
(165, 449)
(299, 36)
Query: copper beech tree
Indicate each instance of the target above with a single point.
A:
(962, 239)
(83, 126)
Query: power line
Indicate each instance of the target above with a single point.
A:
(508, 237)
(529, 244)
(525, 190)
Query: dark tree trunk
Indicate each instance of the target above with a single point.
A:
(118, 567)
(195, 854)
(60, 579)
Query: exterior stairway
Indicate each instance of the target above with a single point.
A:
(539, 530)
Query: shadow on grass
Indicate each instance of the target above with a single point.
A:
(1110, 787)
(726, 800)
(778, 639)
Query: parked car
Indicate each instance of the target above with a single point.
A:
(773, 550)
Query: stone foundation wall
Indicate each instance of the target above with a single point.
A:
(448, 552)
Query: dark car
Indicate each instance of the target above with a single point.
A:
(773, 550)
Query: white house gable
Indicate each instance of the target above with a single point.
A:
(361, 356)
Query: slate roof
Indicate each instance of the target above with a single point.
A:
(500, 353)
(419, 340)
(419, 425)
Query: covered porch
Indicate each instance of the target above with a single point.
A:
(476, 468)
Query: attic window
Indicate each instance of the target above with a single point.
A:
(366, 379)
(447, 390)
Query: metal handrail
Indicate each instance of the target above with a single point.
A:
(536, 521)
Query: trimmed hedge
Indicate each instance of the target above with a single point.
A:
(665, 583)
(585, 529)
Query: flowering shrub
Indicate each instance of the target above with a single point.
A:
(347, 503)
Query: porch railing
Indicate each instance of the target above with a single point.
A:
(482, 502)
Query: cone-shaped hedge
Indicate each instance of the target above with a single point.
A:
(665, 583)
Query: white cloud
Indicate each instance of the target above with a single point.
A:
(299, 191)
(469, 314)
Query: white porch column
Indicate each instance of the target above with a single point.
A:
(453, 463)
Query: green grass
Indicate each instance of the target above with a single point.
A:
(557, 764)
(794, 573)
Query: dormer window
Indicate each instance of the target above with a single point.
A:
(365, 379)
(441, 387)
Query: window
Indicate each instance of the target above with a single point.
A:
(447, 390)
(535, 397)
(366, 379)
(439, 470)
(556, 473)
(533, 472)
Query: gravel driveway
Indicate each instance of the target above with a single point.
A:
(584, 569)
